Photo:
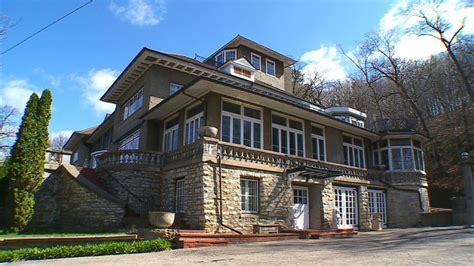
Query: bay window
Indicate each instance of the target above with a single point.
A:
(318, 143)
(353, 151)
(249, 195)
(171, 135)
(194, 120)
(133, 104)
(399, 154)
(241, 125)
(287, 136)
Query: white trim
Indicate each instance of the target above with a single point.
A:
(259, 60)
(318, 137)
(354, 148)
(199, 119)
(133, 104)
(247, 196)
(289, 130)
(224, 53)
(172, 133)
(378, 203)
(274, 67)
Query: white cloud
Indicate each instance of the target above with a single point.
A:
(16, 93)
(65, 133)
(94, 84)
(139, 12)
(326, 61)
(403, 17)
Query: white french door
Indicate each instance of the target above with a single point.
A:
(378, 203)
(345, 203)
(300, 207)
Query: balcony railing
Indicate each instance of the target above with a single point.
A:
(128, 157)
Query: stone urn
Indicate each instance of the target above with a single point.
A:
(207, 131)
(161, 219)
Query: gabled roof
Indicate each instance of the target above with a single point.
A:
(77, 136)
(241, 40)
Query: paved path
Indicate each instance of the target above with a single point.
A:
(449, 245)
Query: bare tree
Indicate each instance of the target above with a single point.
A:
(310, 87)
(57, 143)
(8, 126)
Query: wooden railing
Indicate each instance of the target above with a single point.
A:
(146, 158)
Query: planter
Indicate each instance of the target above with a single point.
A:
(161, 219)
(207, 131)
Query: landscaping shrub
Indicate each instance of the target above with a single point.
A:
(109, 248)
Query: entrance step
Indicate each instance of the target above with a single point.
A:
(193, 239)
(317, 233)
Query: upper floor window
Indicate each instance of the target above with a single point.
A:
(133, 104)
(418, 152)
(131, 142)
(399, 154)
(318, 143)
(249, 195)
(194, 120)
(271, 67)
(226, 55)
(174, 88)
(256, 61)
(381, 157)
(353, 151)
(171, 136)
(287, 136)
(241, 125)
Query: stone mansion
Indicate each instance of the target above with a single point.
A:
(224, 143)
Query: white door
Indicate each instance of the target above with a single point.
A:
(378, 203)
(300, 207)
(345, 207)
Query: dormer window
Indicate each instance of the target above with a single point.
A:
(225, 56)
(256, 61)
(271, 67)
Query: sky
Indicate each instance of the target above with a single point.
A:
(79, 57)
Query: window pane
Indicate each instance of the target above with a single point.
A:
(292, 143)
(271, 68)
(321, 150)
(194, 111)
(346, 155)
(347, 139)
(315, 149)
(251, 113)
(276, 139)
(407, 158)
(256, 136)
(400, 142)
(397, 159)
(226, 128)
(279, 120)
(230, 107)
(383, 143)
(296, 125)
(356, 157)
(256, 61)
(236, 136)
(247, 133)
(284, 141)
(220, 58)
(351, 156)
(384, 158)
(230, 55)
(361, 158)
(417, 161)
(317, 131)
(300, 144)
(171, 123)
(358, 142)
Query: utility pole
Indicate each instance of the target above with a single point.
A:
(468, 188)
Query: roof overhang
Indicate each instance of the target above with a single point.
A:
(406, 134)
(312, 172)
(240, 40)
(73, 141)
(252, 93)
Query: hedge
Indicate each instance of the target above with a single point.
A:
(110, 248)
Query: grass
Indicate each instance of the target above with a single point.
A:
(109, 248)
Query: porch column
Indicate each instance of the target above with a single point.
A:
(364, 216)
(327, 205)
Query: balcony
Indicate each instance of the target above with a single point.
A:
(129, 158)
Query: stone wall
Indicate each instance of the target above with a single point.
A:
(403, 208)
(143, 183)
(63, 203)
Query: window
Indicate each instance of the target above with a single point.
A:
(399, 154)
(287, 136)
(241, 125)
(174, 88)
(242, 72)
(402, 156)
(256, 61)
(271, 67)
(317, 138)
(353, 152)
(75, 156)
(131, 142)
(171, 134)
(180, 195)
(133, 104)
(225, 56)
(381, 157)
(194, 120)
(249, 192)
(378, 203)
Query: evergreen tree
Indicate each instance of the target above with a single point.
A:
(21, 172)
(42, 139)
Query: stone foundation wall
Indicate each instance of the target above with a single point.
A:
(144, 184)
(403, 208)
(63, 203)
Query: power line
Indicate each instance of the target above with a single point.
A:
(44, 28)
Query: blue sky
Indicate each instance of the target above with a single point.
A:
(81, 55)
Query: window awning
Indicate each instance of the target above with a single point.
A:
(312, 172)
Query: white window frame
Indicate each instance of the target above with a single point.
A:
(224, 53)
(318, 137)
(354, 148)
(246, 197)
(131, 142)
(174, 87)
(274, 67)
(133, 104)
(179, 199)
(288, 129)
(378, 203)
(168, 136)
(242, 118)
(420, 156)
(190, 136)
(252, 55)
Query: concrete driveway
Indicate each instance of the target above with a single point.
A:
(448, 245)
